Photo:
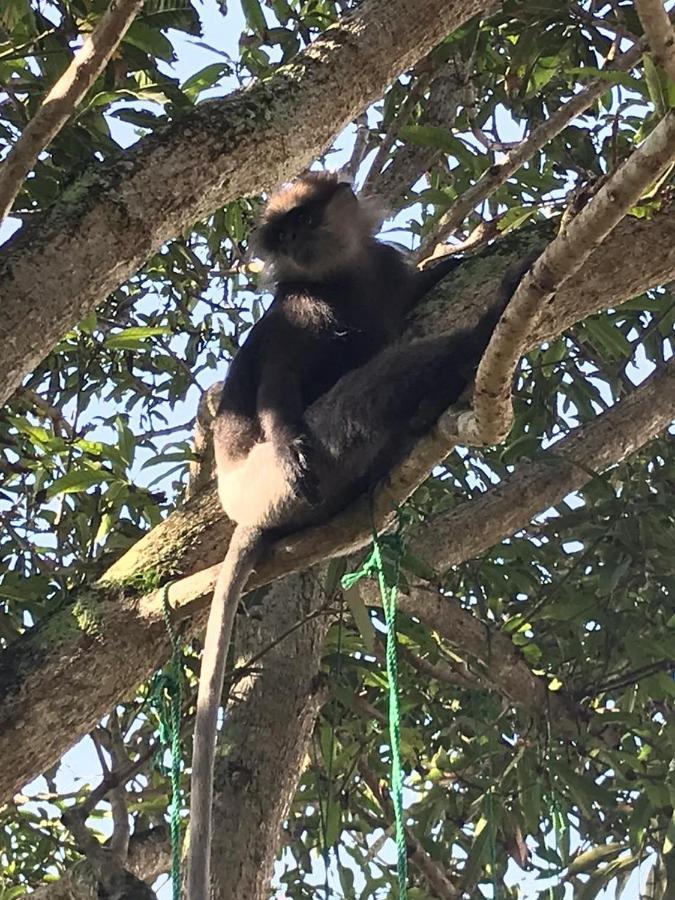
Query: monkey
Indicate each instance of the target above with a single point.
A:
(341, 296)
(341, 299)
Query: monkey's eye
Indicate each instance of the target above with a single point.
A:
(305, 219)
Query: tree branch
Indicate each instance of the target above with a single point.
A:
(58, 268)
(65, 674)
(497, 663)
(492, 415)
(659, 31)
(412, 161)
(413, 96)
(149, 857)
(608, 440)
(85, 67)
(267, 734)
(437, 878)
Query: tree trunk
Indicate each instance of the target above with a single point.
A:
(266, 737)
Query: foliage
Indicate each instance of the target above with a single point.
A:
(94, 450)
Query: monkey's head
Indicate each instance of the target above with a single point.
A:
(314, 226)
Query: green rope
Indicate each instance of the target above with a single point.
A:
(167, 696)
(492, 825)
(385, 562)
(331, 758)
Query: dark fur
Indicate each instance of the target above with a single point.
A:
(341, 299)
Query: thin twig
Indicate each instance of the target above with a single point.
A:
(436, 876)
(496, 175)
(60, 423)
(360, 148)
(85, 67)
(412, 98)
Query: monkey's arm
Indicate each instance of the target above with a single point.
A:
(280, 410)
(279, 402)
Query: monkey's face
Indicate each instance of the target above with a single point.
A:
(311, 230)
(294, 242)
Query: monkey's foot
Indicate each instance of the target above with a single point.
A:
(296, 459)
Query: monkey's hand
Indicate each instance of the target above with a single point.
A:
(296, 458)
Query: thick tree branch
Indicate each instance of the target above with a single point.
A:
(58, 269)
(63, 676)
(659, 31)
(476, 525)
(85, 67)
(149, 857)
(495, 660)
(492, 415)
(567, 466)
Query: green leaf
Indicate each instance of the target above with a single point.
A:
(589, 859)
(254, 16)
(608, 338)
(204, 79)
(150, 40)
(141, 118)
(126, 441)
(77, 480)
(657, 84)
(13, 11)
(133, 338)
(516, 217)
(333, 822)
(361, 616)
(611, 76)
(430, 136)
(478, 854)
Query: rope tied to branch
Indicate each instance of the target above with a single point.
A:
(385, 562)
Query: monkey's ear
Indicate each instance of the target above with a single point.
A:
(342, 208)
(373, 212)
(346, 211)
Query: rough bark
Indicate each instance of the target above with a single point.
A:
(58, 681)
(149, 857)
(57, 270)
(474, 526)
(266, 736)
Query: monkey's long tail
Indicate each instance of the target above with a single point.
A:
(245, 548)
